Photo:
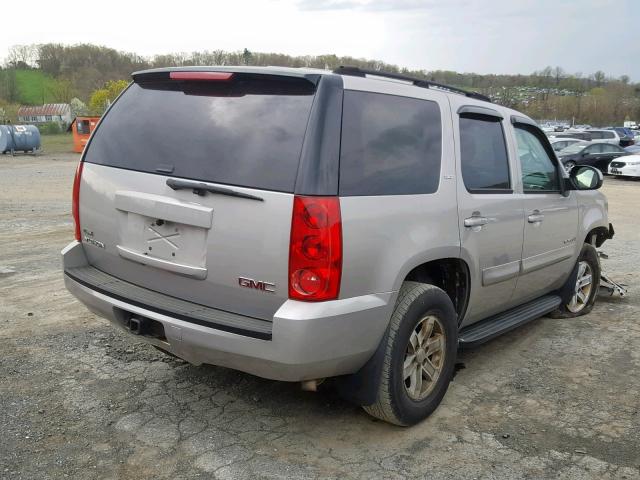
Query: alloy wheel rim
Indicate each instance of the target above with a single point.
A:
(424, 357)
(582, 291)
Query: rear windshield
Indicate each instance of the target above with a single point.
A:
(247, 132)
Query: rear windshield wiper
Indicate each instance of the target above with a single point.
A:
(201, 189)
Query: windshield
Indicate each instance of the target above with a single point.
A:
(247, 132)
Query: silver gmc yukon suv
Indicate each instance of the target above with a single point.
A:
(301, 224)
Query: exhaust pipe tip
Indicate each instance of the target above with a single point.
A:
(311, 385)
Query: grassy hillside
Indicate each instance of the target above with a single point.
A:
(35, 87)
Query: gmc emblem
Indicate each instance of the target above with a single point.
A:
(257, 284)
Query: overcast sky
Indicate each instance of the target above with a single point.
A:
(483, 36)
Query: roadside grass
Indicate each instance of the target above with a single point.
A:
(62, 143)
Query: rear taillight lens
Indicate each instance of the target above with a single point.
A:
(75, 201)
(315, 251)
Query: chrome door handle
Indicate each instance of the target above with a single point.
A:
(475, 221)
(535, 217)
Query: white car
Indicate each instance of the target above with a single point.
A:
(561, 143)
(603, 135)
(627, 166)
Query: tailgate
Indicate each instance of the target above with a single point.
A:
(187, 189)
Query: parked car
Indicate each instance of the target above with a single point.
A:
(633, 149)
(609, 136)
(561, 143)
(596, 154)
(626, 136)
(628, 166)
(298, 224)
(586, 136)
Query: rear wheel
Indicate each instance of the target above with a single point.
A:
(585, 289)
(421, 344)
(569, 165)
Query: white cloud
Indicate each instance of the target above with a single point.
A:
(499, 36)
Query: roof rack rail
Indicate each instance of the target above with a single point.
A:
(361, 72)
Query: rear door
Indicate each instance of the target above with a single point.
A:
(490, 215)
(550, 218)
(188, 184)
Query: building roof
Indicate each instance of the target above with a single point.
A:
(46, 109)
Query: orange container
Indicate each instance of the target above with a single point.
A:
(82, 127)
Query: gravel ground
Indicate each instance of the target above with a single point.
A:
(80, 399)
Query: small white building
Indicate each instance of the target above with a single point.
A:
(49, 112)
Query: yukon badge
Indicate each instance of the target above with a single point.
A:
(88, 238)
(257, 284)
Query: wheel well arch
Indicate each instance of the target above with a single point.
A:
(597, 236)
(451, 275)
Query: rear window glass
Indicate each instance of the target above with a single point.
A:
(390, 145)
(247, 132)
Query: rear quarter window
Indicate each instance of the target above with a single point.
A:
(390, 145)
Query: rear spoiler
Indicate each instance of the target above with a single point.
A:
(222, 73)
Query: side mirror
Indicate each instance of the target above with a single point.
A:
(584, 177)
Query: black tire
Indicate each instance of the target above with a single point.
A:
(589, 255)
(569, 165)
(393, 403)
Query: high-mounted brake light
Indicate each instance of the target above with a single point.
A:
(75, 200)
(202, 76)
(315, 250)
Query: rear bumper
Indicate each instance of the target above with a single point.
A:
(307, 340)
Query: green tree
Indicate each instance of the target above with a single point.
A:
(247, 57)
(102, 98)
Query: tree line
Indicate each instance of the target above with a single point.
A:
(84, 70)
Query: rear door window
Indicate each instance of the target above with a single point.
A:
(483, 153)
(390, 145)
(247, 132)
(611, 148)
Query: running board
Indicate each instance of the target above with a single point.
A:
(491, 327)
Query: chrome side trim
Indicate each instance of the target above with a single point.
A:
(542, 260)
(500, 273)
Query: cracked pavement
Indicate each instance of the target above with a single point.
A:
(81, 399)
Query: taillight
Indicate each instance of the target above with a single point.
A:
(75, 201)
(315, 251)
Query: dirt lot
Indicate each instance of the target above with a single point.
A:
(79, 399)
